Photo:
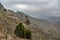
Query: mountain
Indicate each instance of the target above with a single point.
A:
(41, 29)
(54, 19)
(46, 27)
(1, 6)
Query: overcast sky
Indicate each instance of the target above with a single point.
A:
(35, 8)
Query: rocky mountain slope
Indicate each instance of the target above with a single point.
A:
(41, 29)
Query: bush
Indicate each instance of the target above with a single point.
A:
(27, 20)
(28, 34)
(22, 32)
(5, 10)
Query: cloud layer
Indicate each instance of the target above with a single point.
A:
(36, 8)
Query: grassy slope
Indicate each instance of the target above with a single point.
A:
(10, 20)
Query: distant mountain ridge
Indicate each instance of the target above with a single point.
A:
(54, 19)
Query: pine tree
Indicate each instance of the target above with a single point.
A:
(20, 30)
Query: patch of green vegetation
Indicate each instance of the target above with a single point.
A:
(22, 32)
(28, 34)
(27, 20)
(4, 10)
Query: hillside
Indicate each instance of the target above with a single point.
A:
(41, 29)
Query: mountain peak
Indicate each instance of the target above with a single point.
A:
(1, 6)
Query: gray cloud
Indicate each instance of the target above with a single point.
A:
(37, 8)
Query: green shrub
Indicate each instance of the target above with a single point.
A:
(27, 20)
(22, 32)
(4, 9)
(28, 34)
